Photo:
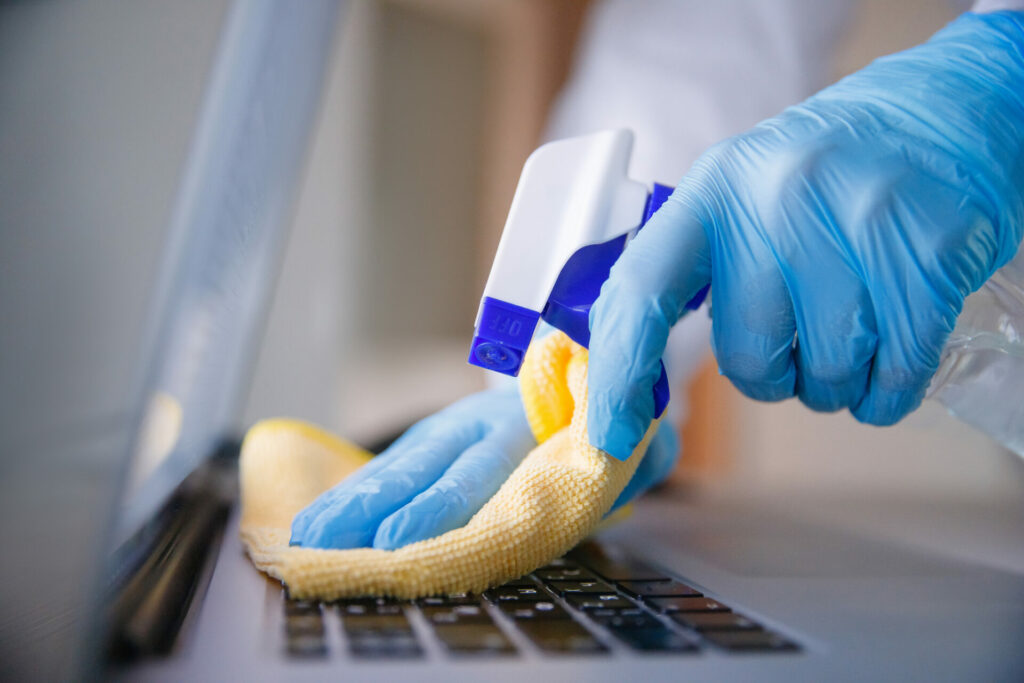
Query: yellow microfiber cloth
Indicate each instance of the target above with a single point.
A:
(552, 501)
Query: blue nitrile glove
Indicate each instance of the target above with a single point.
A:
(841, 237)
(439, 473)
(661, 456)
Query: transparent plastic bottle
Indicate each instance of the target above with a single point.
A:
(981, 376)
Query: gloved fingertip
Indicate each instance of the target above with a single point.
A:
(300, 524)
(661, 457)
(768, 391)
(335, 531)
(886, 408)
(618, 443)
(866, 412)
(428, 515)
(404, 530)
(389, 536)
(387, 543)
(614, 432)
(823, 397)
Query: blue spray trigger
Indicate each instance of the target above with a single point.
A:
(661, 394)
(579, 284)
(575, 291)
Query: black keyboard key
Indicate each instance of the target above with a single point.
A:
(376, 630)
(751, 641)
(372, 602)
(454, 599)
(361, 606)
(301, 607)
(599, 601)
(304, 624)
(615, 568)
(580, 587)
(567, 637)
(501, 593)
(474, 639)
(626, 570)
(379, 624)
(671, 588)
(564, 573)
(306, 646)
(630, 619)
(543, 610)
(715, 621)
(369, 645)
(666, 605)
(657, 638)
(561, 562)
(456, 614)
(304, 629)
(521, 581)
(605, 613)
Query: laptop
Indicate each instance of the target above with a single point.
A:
(141, 576)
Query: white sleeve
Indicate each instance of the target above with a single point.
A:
(683, 75)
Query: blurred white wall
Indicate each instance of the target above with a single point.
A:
(374, 306)
(312, 321)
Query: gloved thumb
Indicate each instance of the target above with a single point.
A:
(646, 293)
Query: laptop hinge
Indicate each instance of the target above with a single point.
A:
(154, 590)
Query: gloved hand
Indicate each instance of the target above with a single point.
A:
(439, 473)
(841, 237)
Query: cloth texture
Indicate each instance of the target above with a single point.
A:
(553, 500)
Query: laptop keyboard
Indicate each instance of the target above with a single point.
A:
(588, 603)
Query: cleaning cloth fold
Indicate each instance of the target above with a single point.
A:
(552, 501)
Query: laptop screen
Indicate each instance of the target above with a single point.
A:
(226, 240)
(118, 170)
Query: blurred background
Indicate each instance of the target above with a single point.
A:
(430, 109)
